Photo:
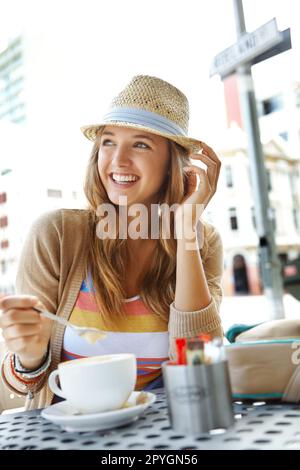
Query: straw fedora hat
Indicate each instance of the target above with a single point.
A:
(153, 105)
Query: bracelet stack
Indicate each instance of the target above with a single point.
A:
(31, 374)
(17, 378)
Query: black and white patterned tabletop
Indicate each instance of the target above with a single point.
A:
(257, 426)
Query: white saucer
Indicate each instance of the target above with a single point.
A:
(65, 415)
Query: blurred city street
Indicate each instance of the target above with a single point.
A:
(254, 309)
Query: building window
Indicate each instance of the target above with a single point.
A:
(228, 176)
(3, 221)
(54, 193)
(253, 218)
(297, 95)
(233, 218)
(284, 135)
(293, 182)
(296, 218)
(269, 180)
(3, 198)
(3, 266)
(4, 244)
(275, 103)
(273, 218)
(6, 171)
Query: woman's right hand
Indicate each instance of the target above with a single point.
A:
(26, 332)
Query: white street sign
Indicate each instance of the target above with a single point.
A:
(249, 46)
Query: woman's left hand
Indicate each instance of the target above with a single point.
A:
(207, 185)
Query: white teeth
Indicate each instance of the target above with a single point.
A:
(124, 178)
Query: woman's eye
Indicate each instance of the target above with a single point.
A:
(137, 143)
(142, 143)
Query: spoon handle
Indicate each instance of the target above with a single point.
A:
(51, 316)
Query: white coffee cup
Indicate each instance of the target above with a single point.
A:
(96, 384)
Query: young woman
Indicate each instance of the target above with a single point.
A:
(144, 290)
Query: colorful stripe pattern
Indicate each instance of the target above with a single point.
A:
(141, 332)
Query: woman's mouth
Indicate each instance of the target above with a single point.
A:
(123, 181)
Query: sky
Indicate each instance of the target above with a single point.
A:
(86, 51)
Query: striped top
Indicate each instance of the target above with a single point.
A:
(140, 332)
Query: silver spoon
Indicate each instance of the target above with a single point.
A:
(91, 335)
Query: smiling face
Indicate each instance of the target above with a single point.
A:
(132, 163)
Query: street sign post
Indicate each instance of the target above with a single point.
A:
(249, 49)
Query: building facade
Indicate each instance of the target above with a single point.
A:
(232, 209)
(12, 82)
(27, 189)
(279, 113)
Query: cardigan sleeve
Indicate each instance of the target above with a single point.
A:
(38, 274)
(39, 266)
(207, 320)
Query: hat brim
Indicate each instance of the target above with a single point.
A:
(188, 143)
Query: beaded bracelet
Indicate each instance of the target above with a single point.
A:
(16, 376)
(32, 374)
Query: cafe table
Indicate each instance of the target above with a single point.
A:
(258, 425)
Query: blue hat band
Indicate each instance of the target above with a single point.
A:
(144, 118)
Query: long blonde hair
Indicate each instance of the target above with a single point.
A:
(106, 262)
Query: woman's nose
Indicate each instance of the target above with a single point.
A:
(121, 156)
